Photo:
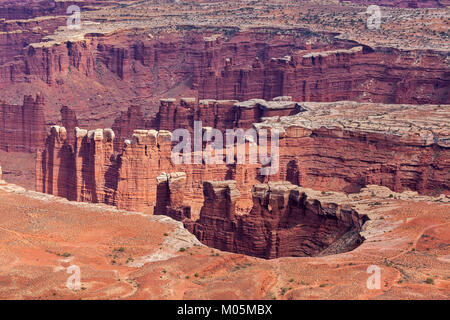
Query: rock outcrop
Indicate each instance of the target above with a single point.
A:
(26, 9)
(70, 122)
(170, 196)
(329, 146)
(221, 114)
(360, 73)
(128, 121)
(218, 114)
(345, 146)
(23, 128)
(283, 222)
(90, 171)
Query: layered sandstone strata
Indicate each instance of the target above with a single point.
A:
(284, 221)
(329, 146)
(133, 54)
(359, 73)
(218, 114)
(70, 122)
(26, 9)
(23, 128)
(347, 145)
(170, 196)
(90, 171)
(113, 69)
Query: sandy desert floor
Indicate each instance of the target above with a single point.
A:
(125, 255)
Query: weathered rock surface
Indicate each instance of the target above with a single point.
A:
(359, 73)
(23, 128)
(26, 9)
(330, 146)
(70, 122)
(218, 114)
(136, 52)
(347, 145)
(170, 196)
(114, 70)
(284, 221)
(90, 170)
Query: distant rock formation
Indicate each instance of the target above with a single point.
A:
(247, 65)
(23, 128)
(360, 73)
(27, 9)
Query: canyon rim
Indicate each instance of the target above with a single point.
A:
(224, 150)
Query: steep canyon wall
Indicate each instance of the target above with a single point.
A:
(23, 128)
(137, 69)
(89, 170)
(283, 222)
(219, 114)
(357, 74)
(319, 156)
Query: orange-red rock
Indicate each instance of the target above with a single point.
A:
(359, 73)
(283, 222)
(23, 128)
(354, 146)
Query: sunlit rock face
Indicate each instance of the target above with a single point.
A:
(340, 146)
(283, 222)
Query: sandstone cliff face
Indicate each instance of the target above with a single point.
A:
(76, 172)
(1, 176)
(340, 160)
(70, 122)
(128, 121)
(90, 171)
(23, 128)
(283, 222)
(116, 62)
(170, 196)
(26, 9)
(221, 114)
(340, 146)
(345, 146)
(218, 114)
(138, 68)
(357, 74)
